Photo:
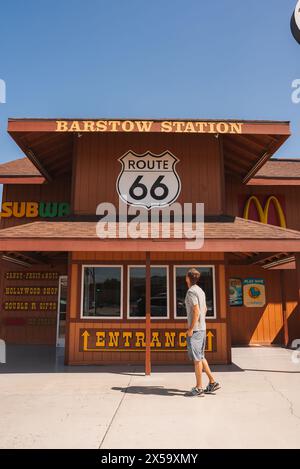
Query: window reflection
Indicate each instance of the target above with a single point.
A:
(102, 292)
(137, 292)
(205, 282)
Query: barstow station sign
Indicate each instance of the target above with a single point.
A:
(144, 126)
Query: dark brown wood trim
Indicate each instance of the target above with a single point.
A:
(228, 313)
(95, 244)
(212, 322)
(222, 169)
(273, 147)
(148, 315)
(22, 180)
(79, 290)
(273, 182)
(68, 319)
(284, 312)
(74, 170)
(153, 262)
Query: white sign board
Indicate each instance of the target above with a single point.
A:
(295, 22)
(148, 180)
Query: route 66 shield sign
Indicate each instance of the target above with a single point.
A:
(295, 22)
(148, 180)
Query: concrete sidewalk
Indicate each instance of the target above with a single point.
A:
(46, 405)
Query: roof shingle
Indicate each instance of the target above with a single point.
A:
(238, 229)
(17, 168)
(280, 169)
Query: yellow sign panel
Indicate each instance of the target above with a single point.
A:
(34, 209)
(263, 212)
(254, 293)
(124, 340)
(196, 127)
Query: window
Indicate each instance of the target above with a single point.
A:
(137, 292)
(206, 282)
(102, 292)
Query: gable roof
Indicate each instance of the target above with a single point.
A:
(278, 172)
(234, 236)
(20, 171)
(49, 146)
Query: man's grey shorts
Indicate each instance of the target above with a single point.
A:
(196, 345)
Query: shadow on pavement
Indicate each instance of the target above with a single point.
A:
(151, 390)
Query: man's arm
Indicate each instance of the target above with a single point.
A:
(203, 307)
(196, 313)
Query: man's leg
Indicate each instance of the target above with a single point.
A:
(198, 373)
(208, 370)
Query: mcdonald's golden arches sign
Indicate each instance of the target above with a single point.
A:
(265, 209)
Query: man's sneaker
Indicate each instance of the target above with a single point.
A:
(196, 392)
(211, 387)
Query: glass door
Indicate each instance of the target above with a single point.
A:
(61, 311)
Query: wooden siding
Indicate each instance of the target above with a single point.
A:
(97, 167)
(292, 304)
(75, 356)
(155, 256)
(56, 191)
(258, 325)
(28, 333)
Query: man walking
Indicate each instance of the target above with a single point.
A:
(195, 303)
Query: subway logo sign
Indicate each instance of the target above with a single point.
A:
(35, 209)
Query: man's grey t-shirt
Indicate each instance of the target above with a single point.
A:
(196, 296)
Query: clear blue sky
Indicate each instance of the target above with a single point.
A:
(141, 58)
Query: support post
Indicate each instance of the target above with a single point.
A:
(284, 313)
(148, 315)
(297, 258)
(227, 309)
(68, 313)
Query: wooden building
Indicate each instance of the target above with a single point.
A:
(120, 299)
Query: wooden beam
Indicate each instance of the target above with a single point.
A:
(254, 141)
(251, 127)
(29, 153)
(15, 260)
(228, 311)
(260, 181)
(22, 180)
(142, 245)
(240, 149)
(297, 258)
(39, 258)
(71, 272)
(148, 315)
(284, 312)
(265, 157)
(261, 257)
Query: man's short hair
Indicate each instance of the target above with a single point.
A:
(193, 275)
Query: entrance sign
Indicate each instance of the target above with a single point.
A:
(148, 180)
(254, 292)
(110, 340)
(295, 22)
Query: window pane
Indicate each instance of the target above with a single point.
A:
(137, 292)
(102, 292)
(205, 282)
